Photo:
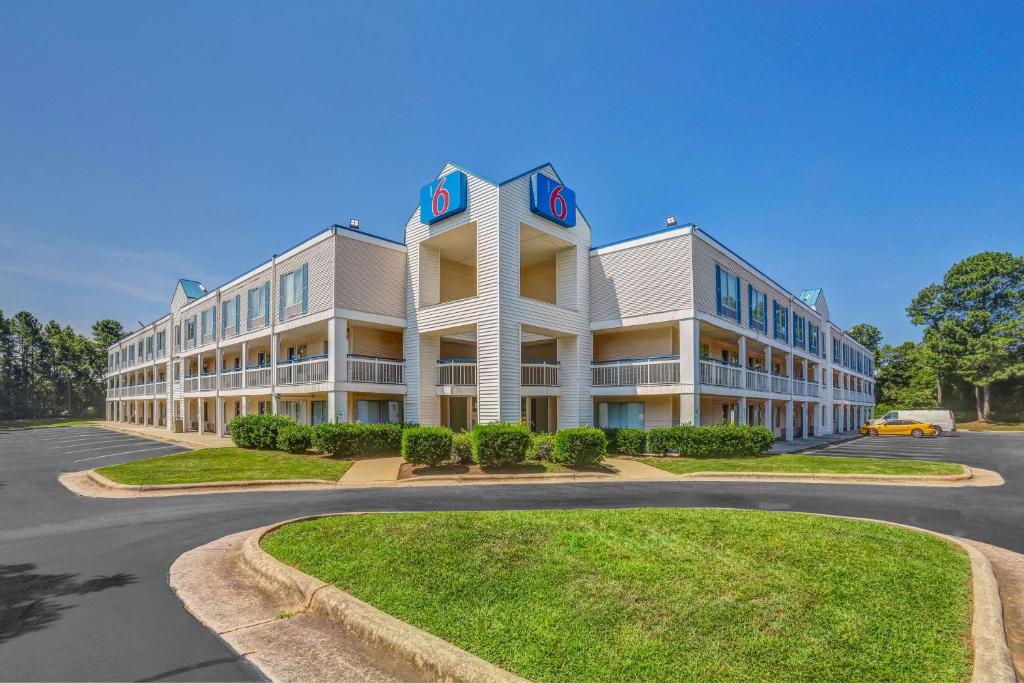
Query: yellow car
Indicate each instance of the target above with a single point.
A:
(899, 428)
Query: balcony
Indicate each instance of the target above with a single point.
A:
(720, 374)
(837, 393)
(208, 338)
(757, 380)
(190, 383)
(636, 372)
(208, 381)
(231, 379)
(813, 389)
(456, 372)
(799, 387)
(147, 389)
(373, 370)
(160, 388)
(257, 376)
(310, 370)
(540, 374)
(780, 384)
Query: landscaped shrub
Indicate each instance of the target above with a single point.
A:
(542, 447)
(382, 438)
(580, 446)
(630, 441)
(258, 431)
(500, 443)
(427, 445)
(711, 441)
(462, 448)
(295, 438)
(612, 434)
(660, 440)
(340, 439)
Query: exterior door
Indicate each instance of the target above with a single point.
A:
(458, 413)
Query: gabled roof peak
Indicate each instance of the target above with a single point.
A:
(193, 289)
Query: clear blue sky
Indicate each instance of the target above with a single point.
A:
(862, 147)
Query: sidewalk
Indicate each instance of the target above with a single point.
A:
(811, 443)
(186, 439)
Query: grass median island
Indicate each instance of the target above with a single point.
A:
(43, 422)
(658, 594)
(224, 464)
(991, 426)
(805, 464)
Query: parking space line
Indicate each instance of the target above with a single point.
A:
(110, 455)
(109, 445)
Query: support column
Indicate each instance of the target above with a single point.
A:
(803, 416)
(742, 410)
(689, 371)
(337, 369)
(769, 415)
(789, 420)
(275, 343)
(245, 405)
(245, 362)
(221, 431)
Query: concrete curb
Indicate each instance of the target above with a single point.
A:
(992, 660)
(967, 474)
(435, 657)
(109, 484)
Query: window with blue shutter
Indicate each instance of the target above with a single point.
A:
(781, 321)
(799, 331)
(728, 293)
(757, 309)
(238, 313)
(294, 295)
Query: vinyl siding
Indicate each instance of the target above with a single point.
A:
(320, 287)
(655, 341)
(369, 277)
(649, 278)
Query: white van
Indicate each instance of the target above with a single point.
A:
(943, 420)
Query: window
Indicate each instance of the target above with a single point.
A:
(835, 350)
(728, 291)
(190, 331)
(799, 331)
(259, 306)
(318, 412)
(161, 343)
(812, 339)
(149, 347)
(377, 412)
(293, 293)
(229, 315)
(757, 309)
(781, 321)
(177, 337)
(616, 415)
(208, 324)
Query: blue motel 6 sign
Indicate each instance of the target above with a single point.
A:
(444, 197)
(552, 200)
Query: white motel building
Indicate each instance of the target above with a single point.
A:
(496, 307)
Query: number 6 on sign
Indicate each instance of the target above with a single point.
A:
(552, 200)
(444, 197)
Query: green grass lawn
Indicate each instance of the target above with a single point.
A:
(225, 464)
(991, 426)
(804, 464)
(41, 422)
(658, 594)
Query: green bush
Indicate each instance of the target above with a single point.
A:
(631, 441)
(711, 441)
(660, 440)
(294, 438)
(340, 439)
(258, 431)
(500, 443)
(427, 445)
(612, 434)
(462, 448)
(580, 446)
(382, 438)
(542, 447)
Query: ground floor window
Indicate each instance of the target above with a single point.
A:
(295, 410)
(319, 412)
(617, 415)
(375, 412)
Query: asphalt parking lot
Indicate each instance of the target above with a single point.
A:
(83, 581)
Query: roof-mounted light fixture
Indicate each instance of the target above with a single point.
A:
(353, 223)
(670, 221)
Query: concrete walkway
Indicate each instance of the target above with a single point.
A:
(189, 439)
(373, 470)
(811, 442)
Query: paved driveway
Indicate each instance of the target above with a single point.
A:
(83, 581)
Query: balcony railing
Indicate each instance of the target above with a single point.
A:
(780, 384)
(231, 379)
(635, 372)
(837, 393)
(209, 338)
(799, 387)
(257, 376)
(148, 389)
(208, 382)
(311, 370)
(191, 383)
(373, 370)
(813, 389)
(160, 388)
(720, 374)
(539, 374)
(757, 380)
(457, 372)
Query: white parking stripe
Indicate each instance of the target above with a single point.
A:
(110, 455)
(109, 445)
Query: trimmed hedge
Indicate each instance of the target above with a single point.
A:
(542, 447)
(340, 439)
(427, 445)
(382, 438)
(295, 438)
(612, 434)
(462, 448)
(500, 443)
(711, 441)
(258, 431)
(631, 441)
(580, 446)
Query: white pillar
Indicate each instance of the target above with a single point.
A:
(689, 354)
(768, 415)
(789, 420)
(742, 344)
(742, 410)
(220, 416)
(245, 405)
(244, 363)
(689, 409)
(803, 416)
(337, 369)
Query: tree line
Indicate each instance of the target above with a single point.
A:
(971, 356)
(52, 371)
